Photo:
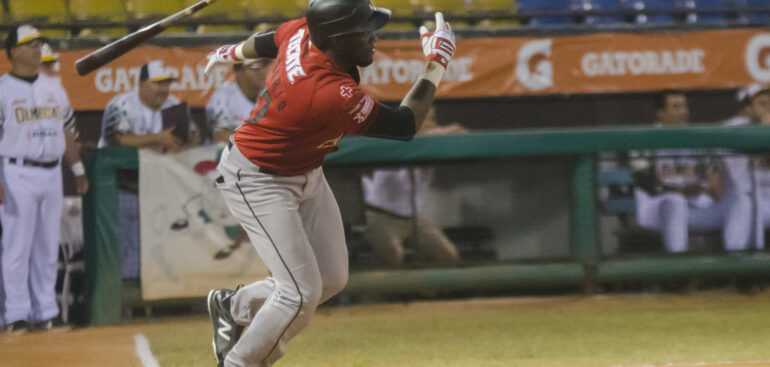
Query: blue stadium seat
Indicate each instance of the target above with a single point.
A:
(662, 11)
(762, 17)
(716, 11)
(600, 5)
(535, 6)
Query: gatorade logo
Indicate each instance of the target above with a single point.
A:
(534, 69)
(758, 57)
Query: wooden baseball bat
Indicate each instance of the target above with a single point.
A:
(115, 49)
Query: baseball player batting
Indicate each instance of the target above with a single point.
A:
(271, 176)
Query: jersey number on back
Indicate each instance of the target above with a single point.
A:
(264, 97)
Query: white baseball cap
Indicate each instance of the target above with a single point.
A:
(155, 71)
(26, 33)
(21, 35)
(47, 54)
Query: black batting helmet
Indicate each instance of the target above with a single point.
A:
(331, 18)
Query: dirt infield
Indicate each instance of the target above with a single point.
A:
(108, 346)
(184, 341)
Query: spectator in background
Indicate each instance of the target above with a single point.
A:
(49, 64)
(134, 119)
(232, 103)
(746, 114)
(37, 125)
(680, 189)
(393, 199)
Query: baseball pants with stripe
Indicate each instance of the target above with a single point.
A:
(296, 227)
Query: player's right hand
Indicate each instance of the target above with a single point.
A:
(223, 55)
(439, 45)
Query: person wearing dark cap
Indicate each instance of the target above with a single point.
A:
(36, 132)
(134, 119)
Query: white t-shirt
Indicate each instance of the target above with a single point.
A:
(125, 113)
(33, 117)
(228, 108)
(399, 191)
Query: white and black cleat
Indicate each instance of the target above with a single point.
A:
(226, 331)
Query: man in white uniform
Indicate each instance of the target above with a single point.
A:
(748, 177)
(134, 119)
(37, 125)
(232, 103)
(681, 189)
(394, 199)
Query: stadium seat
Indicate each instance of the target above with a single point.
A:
(716, 11)
(754, 16)
(539, 6)
(56, 33)
(102, 32)
(496, 24)
(400, 27)
(216, 28)
(508, 6)
(284, 8)
(155, 9)
(97, 10)
(400, 7)
(603, 6)
(448, 7)
(228, 9)
(50, 10)
(141, 9)
(662, 11)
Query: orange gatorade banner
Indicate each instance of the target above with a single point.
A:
(484, 67)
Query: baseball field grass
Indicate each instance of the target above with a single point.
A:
(714, 328)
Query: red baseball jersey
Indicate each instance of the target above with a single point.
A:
(308, 106)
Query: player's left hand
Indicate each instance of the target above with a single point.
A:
(223, 55)
(439, 45)
(82, 184)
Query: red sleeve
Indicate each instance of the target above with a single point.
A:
(345, 103)
(285, 30)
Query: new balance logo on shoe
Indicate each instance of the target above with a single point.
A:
(224, 329)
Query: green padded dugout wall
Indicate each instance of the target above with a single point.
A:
(104, 288)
